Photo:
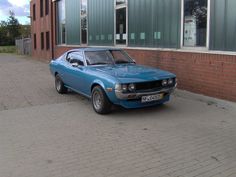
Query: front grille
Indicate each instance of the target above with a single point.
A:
(153, 85)
(148, 85)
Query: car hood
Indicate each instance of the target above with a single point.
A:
(127, 73)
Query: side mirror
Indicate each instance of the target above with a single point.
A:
(75, 64)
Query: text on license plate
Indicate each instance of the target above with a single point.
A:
(151, 98)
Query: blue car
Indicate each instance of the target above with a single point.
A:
(111, 77)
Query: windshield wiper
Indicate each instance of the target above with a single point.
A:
(100, 63)
(122, 61)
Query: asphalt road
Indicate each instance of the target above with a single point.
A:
(44, 134)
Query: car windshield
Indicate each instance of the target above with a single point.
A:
(105, 57)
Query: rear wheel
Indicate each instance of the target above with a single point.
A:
(59, 85)
(101, 103)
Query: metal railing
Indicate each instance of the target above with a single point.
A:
(23, 46)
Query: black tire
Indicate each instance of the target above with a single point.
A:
(59, 85)
(101, 104)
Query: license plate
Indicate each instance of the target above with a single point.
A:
(151, 98)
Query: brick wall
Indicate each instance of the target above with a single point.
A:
(41, 24)
(209, 74)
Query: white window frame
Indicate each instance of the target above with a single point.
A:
(116, 7)
(206, 48)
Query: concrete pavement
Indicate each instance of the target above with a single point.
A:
(25, 82)
(43, 134)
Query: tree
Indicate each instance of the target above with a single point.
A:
(25, 31)
(13, 28)
(4, 39)
(9, 30)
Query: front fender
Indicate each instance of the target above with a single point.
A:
(98, 82)
(105, 85)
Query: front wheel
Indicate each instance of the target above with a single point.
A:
(101, 103)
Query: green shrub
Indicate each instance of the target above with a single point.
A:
(7, 49)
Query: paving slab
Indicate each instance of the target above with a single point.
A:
(44, 134)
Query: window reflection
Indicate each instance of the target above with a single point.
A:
(195, 23)
(84, 21)
(121, 34)
(61, 22)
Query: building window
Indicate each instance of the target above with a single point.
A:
(46, 7)
(84, 21)
(35, 42)
(41, 8)
(195, 23)
(47, 41)
(34, 12)
(61, 22)
(42, 41)
(121, 31)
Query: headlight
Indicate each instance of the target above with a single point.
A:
(131, 87)
(170, 81)
(118, 87)
(164, 82)
(124, 88)
(121, 87)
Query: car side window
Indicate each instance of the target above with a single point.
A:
(75, 57)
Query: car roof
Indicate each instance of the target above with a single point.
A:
(92, 49)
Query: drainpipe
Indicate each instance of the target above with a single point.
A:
(52, 30)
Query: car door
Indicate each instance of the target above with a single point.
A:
(74, 71)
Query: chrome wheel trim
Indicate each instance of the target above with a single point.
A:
(97, 100)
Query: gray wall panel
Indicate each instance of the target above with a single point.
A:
(223, 25)
(101, 22)
(73, 22)
(158, 19)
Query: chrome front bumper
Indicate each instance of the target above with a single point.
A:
(129, 96)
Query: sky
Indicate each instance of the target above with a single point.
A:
(20, 7)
